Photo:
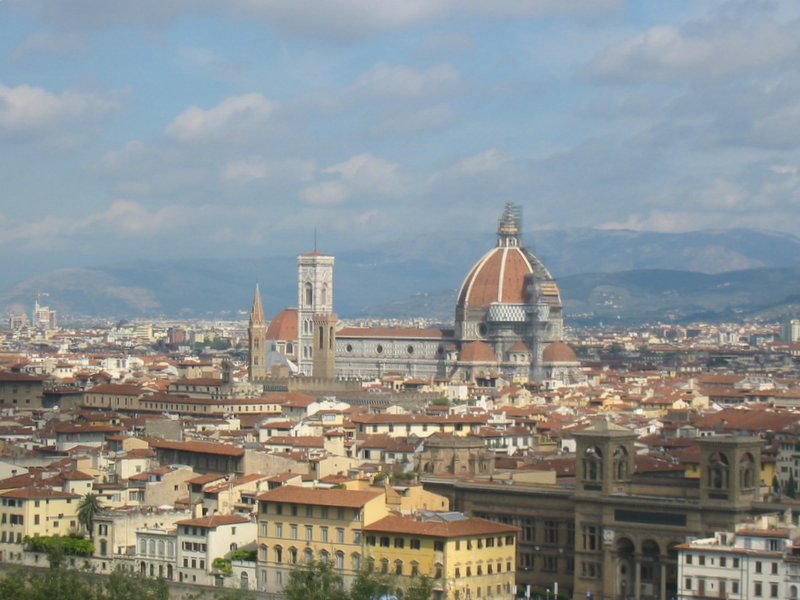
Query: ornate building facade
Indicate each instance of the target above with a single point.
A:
(508, 323)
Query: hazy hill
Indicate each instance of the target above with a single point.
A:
(640, 274)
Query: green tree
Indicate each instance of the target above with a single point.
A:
(369, 585)
(315, 581)
(88, 509)
(791, 489)
(421, 588)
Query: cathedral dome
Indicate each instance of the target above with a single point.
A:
(508, 273)
(478, 352)
(284, 326)
(559, 352)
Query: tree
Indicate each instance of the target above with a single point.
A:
(369, 585)
(315, 581)
(421, 588)
(89, 507)
(791, 490)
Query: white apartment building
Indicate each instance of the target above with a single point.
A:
(761, 560)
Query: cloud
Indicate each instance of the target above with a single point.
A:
(716, 48)
(362, 174)
(234, 117)
(426, 119)
(329, 19)
(26, 109)
(246, 170)
(50, 44)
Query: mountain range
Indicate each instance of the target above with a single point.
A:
(603, 274)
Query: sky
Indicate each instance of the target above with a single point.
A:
(190, 128)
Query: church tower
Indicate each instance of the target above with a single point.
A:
(257, 334)
(315, 315)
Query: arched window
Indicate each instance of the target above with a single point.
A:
(321, 337)
(593, 464)
(262, 551)
(151, 547)
(324, 298)
(340, 560)
(170, 549)
(398, 567)
(103, 547)
(161, 547)
(621, 463)
(293, 555)
(308, 555)
(793, 592)
(244, 581)
(370, 564)
(718, 471)
(308, 290)
(278, 554)
(324, 556)
(355, 560)
(747, 470)
(384, 565)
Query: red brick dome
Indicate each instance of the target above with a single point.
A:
(478, 352)
(559, 352)
(284, 326)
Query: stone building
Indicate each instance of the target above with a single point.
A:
(612, 533)
(508, 314)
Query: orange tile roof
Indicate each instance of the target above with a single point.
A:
(319, 496)
(448, 529)
(215, 521)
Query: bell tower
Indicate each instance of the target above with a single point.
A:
(730, 470)
(314, 303)
(604, 459)
(257, 337)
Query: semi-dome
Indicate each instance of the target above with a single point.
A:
(478, 352)
(284, 326)
(559, 352)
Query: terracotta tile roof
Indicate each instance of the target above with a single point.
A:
(215, 521)
(120, 389)
(198, 447)
(319, 496)
(204, 479)
(37, 493)
(439, 528)
(392, 332)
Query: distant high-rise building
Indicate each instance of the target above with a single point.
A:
(790, 329)
(43, 316)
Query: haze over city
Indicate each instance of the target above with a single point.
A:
(181, 129)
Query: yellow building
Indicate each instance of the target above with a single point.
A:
(297, 525)
(465, 557)
(34, 512)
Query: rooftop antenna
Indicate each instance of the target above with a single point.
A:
(315, 239)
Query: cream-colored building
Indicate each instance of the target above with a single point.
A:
(298, 525)
(465, 557)
(32, 512)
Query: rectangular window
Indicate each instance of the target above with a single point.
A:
(293, 531)
(399, 542)
(340, 514)
(735, 587)
(688, 583)
(340, 535)
(723, 562)
(385, 542)
(278, 530)
(551, 532)
(701, 559)
(735, 563)
(774, 568)
(550, 564)
(438, 546)
(309, 533)
(757, 589)
(324, 531)
(589, 537)
(264, 530)
(773, 590)
(309, 510)
(415, 544)
(758, 566)
(357, 538)
(688, 559)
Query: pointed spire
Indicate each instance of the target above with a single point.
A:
(257, 312)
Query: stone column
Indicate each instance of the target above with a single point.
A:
(638, 577)
(663, 580)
